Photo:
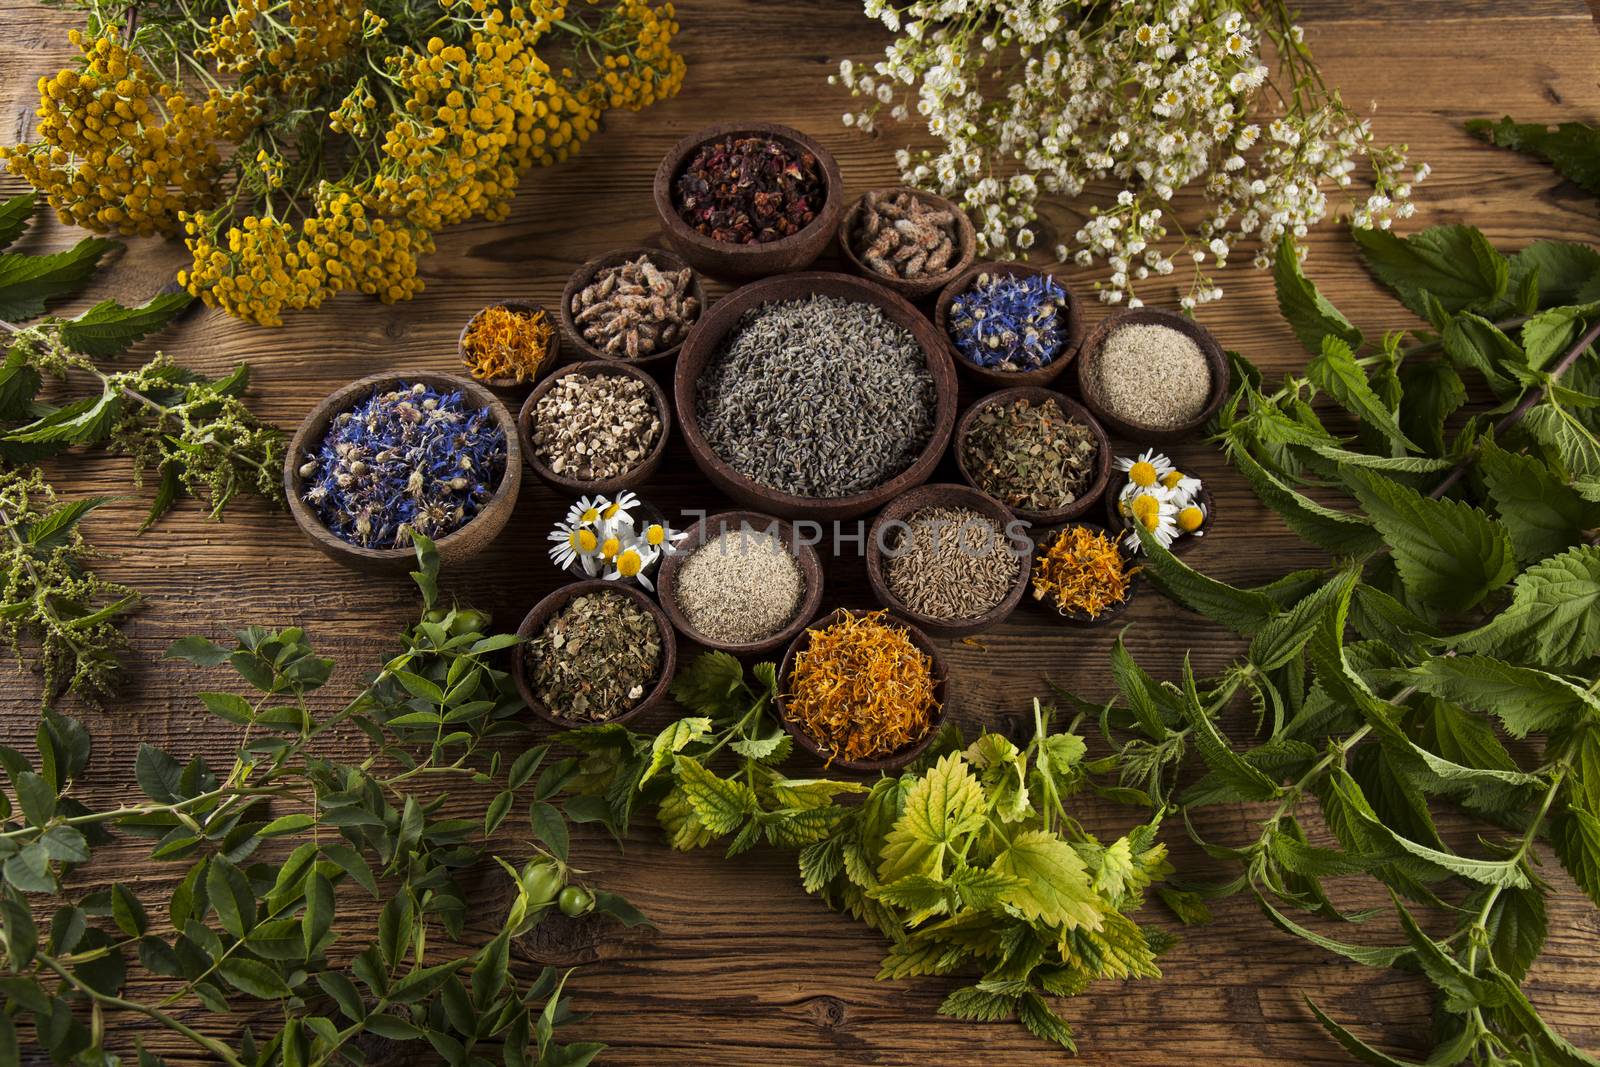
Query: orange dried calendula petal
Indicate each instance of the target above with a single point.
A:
(861, 688)
(1082, 571)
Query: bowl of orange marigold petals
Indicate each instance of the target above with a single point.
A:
(1082, 573)
(509, 344)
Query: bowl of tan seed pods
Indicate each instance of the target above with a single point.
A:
(907, 240)
(634, 305)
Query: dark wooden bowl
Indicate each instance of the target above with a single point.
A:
(951, 496)
(1120, 523)
(581, 278)
(454, 548)
(721, 259)
(705, 340)
(1077, 327)
(534, 621)
(712, 526)
(1070, 408)
(1081, 619)
(607, 486)
(894, 760)
(551, 358)
(1215, 358)
(911, 288)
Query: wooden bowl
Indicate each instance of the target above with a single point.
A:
(911, 288)
(894, 760)
(1082, 619)
(551, 357)
(581, 278)
(1119, 522)
(950, 496)
(607, 486)
(1076, 327)
(711, 527)
(722, 259)
(454, 548)
(1072, 410)
(535, 620)
(705, 340)
(1133, 431)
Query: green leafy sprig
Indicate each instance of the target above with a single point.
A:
(1573, 148)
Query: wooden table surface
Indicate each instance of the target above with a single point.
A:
(745, 967)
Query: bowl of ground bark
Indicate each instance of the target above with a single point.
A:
(1072, 331)
(550, 357)
(540, 449)
(734, 254)
(595, 328)
(1123, 524)
(889, 550)
(1096, 391)
(1077, 617)
(669, 582)
(876, 249)
(789, 429)
(1096, 476)
(552, 605)
(454, 548)
(901, 756)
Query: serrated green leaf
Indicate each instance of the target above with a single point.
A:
(1517, 925)
(1542, 514)
(1240, 610)
(944, 804)
(1340, 532)
(1353, 1044)
(1053, 884)
(1474, 343)
(15, 214)
(978, 1005)
(1281, 639)
(1246, 781)
(1554, 615)
(709, 684)
(1335, 371)
(1310, 314)
(1546, 335)
(27, 283)
(721, 804)
(1567, 272)
(1573, 148)
(1575, 836)
(1433, 391)
(1044, 1023)
(1456, 265)
(84, 421)
(671, 741)
(109, 328)
(1525, 700)
(1565, 439)
(1366, 955)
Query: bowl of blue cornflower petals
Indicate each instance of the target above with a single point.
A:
(1010, 324)
(392, 456)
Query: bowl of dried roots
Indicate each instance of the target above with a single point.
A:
(635, 305)
(907, 240)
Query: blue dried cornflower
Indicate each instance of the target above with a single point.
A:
(1009, 323)
(406, 460)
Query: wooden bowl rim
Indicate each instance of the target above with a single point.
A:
(806, 558)
(935, 494)
(1072, 410)
(591, 368)
(895, 760)
(551, 358)
(557, 599)
(581, 277)
(1078, 618)
(343, 399)
(1117, 521)
(1077, 327)
(1216, 359)
(966, 242)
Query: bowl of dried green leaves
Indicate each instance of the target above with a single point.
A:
(1040, 454)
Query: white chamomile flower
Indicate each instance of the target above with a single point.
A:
(586, 512)
(1191, 518)
(570, 542)
(1157, 514)
(659, 535)
(631, 564)
(616, 516)
(1183, 488)
(1147, 469)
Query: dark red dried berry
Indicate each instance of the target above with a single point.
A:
(749, 190)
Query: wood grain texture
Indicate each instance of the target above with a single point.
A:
(745, 967)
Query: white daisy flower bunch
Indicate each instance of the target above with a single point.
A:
(1161, 498)
(1035, 98)
(605, 539)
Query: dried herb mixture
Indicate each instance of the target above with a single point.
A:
(596, 657)
(903, 235)
(1029, 455)
(635, 309)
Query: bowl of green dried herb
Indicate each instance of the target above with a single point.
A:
(394, 454)
(1039, 453)
(747, 199)
(592, 652)
(1010, 324)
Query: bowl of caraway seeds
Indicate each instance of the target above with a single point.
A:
(863, 691)
(741, 582)
(1152, 375)
(390, 455)
(1010, 324)
(509, 344)
(1082, 574)
(1037, 452)
(949, 558)
(594, 652)
(815, 396)
(748, 199)
(633, 304)
(907, 240)
(595, 427)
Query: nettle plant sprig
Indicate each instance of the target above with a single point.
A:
(1034, 99)
(277, 850)
(1447, 655)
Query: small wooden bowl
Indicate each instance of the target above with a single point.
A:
(910, 288)
(1072, 410)
(577, 486)
(721, 259)
(1076, 327)
(664, 260)
(705, 340)
(1215, 358)
(894, 760)
(950, 496)
(1187, 543)
(454, 548)
(713, 526)
(1078, 618)
(551, 357)
(546, 608)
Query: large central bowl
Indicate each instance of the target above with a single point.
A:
(705, 342)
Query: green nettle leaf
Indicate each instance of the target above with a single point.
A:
(720, 803)
(1554, 615)
(1455, 265)
(84, 421)
(1575, 835)
(1245, 780)
(1335, 372)
(709, 683)
(1567, 272)
(946, 803)
(978, 1005)
(1571, 147)
(1243, 611)
(1449, 554)
(1052, 885)
(14, 217)
(109, 328)
(1548, 334)
(1567, 441)
(672, 740)
(1044, 1023)
(1542, 514)
(1525, 700)
(1517, 926)
(1433, 391)
(1281, 640)
(1310, 314)
(27, 283)
(1340, 532)
(1473, 342)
